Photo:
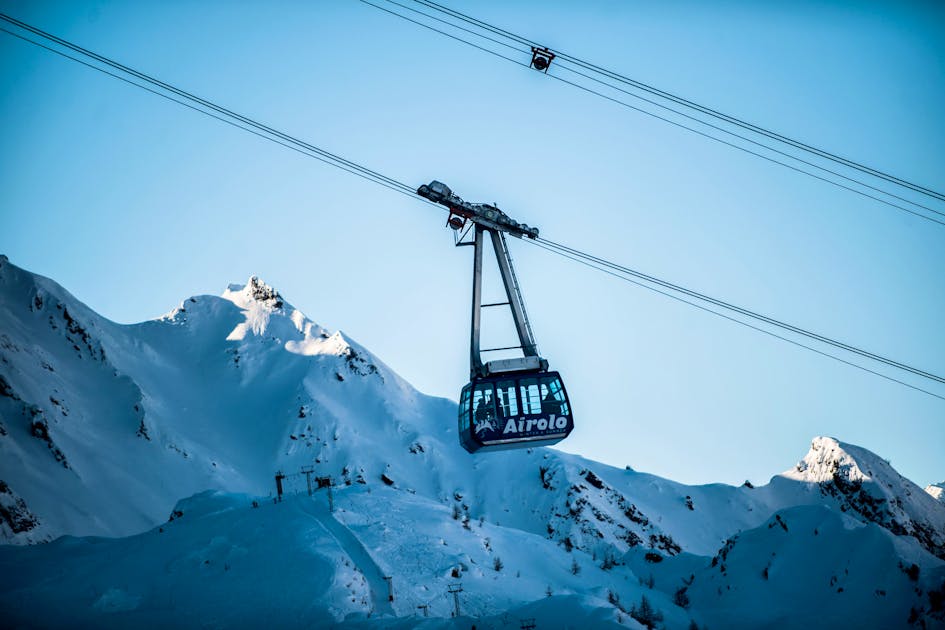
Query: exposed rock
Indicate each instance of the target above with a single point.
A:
(16, 520)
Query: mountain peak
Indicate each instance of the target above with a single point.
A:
(864, 483)
(255, 290)
(937, 490)
(829, 458)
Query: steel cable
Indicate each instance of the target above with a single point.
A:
(247, 124)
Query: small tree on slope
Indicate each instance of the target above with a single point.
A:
(646, 614)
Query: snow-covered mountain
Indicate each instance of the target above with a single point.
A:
(109, 430)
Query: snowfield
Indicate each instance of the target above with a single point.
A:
(137, 483)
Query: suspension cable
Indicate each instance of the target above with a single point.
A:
(604, 269)
(688, 103)
(739, 310)
(207, 104)
(212, 115)
(677, 112)
(244, 123)
(565, 66)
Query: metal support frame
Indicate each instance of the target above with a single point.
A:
(514, 301)
(475, 358)
(326, 482)
(482, 217)
(308, 471)
(455, 589)
(514, 292)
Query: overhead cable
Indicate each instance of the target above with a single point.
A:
(689, 103)
(668, 96)
(459, 39)
(740, 310)
(604, 269)
(232, 123)
(704, 134)
(204, 106)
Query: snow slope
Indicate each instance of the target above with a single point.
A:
(99, 418)
(862, 483)
(104, 428)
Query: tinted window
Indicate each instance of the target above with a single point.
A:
(553, 399)
(483, 403)
(464, 410)
(507, 397)
(531, 399)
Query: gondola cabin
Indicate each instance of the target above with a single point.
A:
(515, 410)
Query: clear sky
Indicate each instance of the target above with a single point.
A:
(134, 203)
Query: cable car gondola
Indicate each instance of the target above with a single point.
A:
(508, 403)
(514, 410)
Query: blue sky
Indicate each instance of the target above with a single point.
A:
(134, 203)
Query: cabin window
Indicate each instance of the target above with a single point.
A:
(464, 410)
(483, 403)
(553, 400)
(531, 397)
(507, 397)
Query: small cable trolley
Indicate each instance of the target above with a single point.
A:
(508, 403)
